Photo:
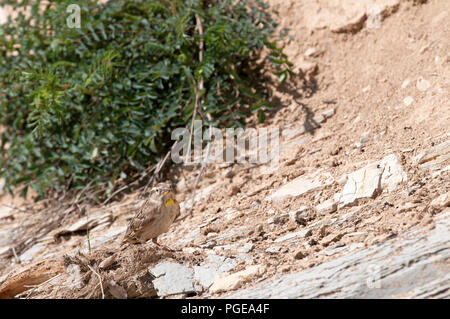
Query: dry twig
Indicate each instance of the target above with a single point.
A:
(100, 280)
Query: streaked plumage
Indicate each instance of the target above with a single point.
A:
(154, 217)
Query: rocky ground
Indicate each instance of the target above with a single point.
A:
(359, 206)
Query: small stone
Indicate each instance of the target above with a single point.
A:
(365, 138)
(307, 67)
(256, 203)
(366, 89)
(328, 113)
(292, 236)
(299, 255)
(441, 201)
(408, 100)
(357, 234)
(319, 118)
(311, 52)
(246, 248)
(273, 249)
(327, 207)
(331, 238)
(298, 215)
(407, 207)
(405, 83)
(5, 211)
(434, 156)
(422, 84)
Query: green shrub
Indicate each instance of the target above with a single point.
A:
(97, 103)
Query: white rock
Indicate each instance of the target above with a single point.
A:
(296, 215)
(172, 279)
(346, 16)
(293, 132)
(234, 281)
(220, 263)
(4, 250)
(328, 113)
(310, 52)
(247, 247)
(319, 118)
(342, 180)
(371, 179)
(5, 211)
(292, 236)
(301, 185)
(327, 207)
(423, 84)
(441, 201)
(405, 83)
(393, 173)
(273, 249)
(306, 67)
(434, 155)
(2, 185)
(277, 219)
(364, 183)
(28, 255)
(408, 100)
(205, 276)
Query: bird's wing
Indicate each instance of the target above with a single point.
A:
(146, 215)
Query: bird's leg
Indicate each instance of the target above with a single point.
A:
(155, 241)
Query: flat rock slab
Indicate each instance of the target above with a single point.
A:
(172, 279)
(346, 15)
(301, 185)
(415, 265)
(370, 180)
(434, 157)
(293, 236)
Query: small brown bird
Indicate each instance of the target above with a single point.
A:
(154, 217)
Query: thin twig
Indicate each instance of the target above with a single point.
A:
(100, 279)
(204, 162)
(200, 84)
(15, 255)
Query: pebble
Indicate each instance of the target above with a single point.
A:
(422, 84)
(273, 249)
(298, 215)
(328, 113)
(311, 52)
(327, 207)
(441, 201)
(408, 100)
(405, 83)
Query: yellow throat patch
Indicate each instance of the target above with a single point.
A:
(170, 202)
